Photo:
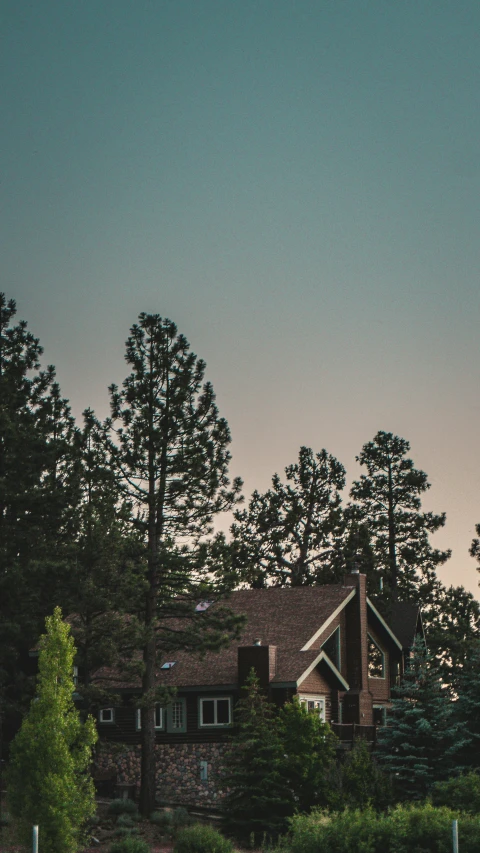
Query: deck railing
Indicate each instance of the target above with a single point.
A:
(354, 731)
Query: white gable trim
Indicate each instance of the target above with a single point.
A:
(330, 619)
(382, 620)
(322, 656)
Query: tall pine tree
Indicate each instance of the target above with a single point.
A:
(388, 499)
(169, 449)
(290, 534)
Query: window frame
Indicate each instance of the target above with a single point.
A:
(382, 677)
(138, 718)
(168, 717)
(106, 722)
(215, 724)
(305, 698)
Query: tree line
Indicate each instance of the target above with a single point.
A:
(116, 517)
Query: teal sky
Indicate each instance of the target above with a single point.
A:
(294, 182)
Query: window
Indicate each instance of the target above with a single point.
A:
(376, 660)
(331, 647)
(216, 711)
(75, 675)
(316, 704)
(379, 715)
(159, 717)
(106, 715)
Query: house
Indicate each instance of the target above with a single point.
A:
(328, 645)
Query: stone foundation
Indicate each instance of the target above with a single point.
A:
(178, 770)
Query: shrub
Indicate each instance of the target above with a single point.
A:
(130, 844)
(181, 818)
(202, 839)
(419, 828)
(164, 821)
(125, 819)
(118, 807)
(462, 793)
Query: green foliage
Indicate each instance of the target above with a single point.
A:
(164, 821)
(421, 742)
(405, 829)
(122, 806)
(454, 633)
(130, 844)
(48, 781)
(308, 755)
(358, 781)
(181, 818)
(461, 793)
(467, 709)
(125, 820)
(169, 450)
(258, 799)
(289, 534)
(202, 838)
(388, 500)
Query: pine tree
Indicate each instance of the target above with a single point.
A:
(388, 499)
(421, 742)
(169, 449)
(453, 632)
(49, 784)
(258, 799)
(290, 534)
(467, 709)
(35, 428)
(308, 756)
(107, 572)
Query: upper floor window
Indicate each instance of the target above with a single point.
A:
(106, 715)
(159, 714)
(216, 711)
(331, 647)
(315, 704)
(376, 659)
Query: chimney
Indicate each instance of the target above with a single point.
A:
(263, 659)
(360, 698)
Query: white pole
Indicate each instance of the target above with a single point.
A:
(455, 836)
(35, 839)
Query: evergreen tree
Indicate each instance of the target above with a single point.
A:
(453, 632)
(422, 741)
(107, 572)
(35, 428)
(467, 709)
(49, 783)
(169, 449)
(290, 535)
(308, 756)
(475, 547)
(258, 799)
(359, 782)
(388, 498)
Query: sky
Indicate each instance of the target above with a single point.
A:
(294, 182)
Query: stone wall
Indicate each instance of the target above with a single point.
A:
(178, 770)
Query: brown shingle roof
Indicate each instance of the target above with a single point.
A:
(282, 617)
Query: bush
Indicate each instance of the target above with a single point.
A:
(125, 819)
(462, 793)
(164, 821)
(419, 828)
(181, 818)
(130, 845)
(202, 839)
(118, 807)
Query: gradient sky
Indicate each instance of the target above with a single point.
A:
(294, 182)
